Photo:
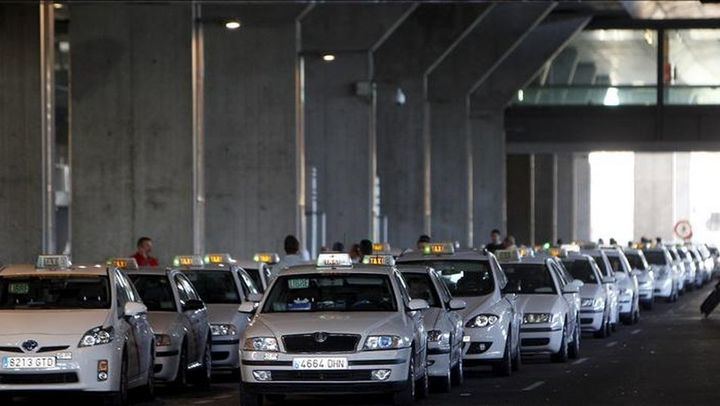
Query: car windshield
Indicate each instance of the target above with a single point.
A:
(331, 293)
(54, 292)
(465, 278)
(155, 291)
(655, 257)
(215, 286)
(529, 279)
(601, 264)
(248, 284)
(673, 254)
(582, 270)
(616, 264)
(255, 275)
(420, 286)
(637, 261)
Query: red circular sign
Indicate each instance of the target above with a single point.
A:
(683, 229)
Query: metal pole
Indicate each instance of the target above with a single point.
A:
(47, 120)
(198, 129)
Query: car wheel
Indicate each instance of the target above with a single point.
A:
(181, 380)
(120, 397)
(602, 332)
(648, 305)
(148, 391)
(517, 359)
(204, 373)
(562, 354)
(504, 366)
(574, 350)
(422, 387)
(406, 395)
(457, 373)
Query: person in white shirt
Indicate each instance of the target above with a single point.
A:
(292, 257)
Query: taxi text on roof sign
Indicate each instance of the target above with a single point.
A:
(123, 263)
(219, 259)
(53, 262)
(269, 258)
(381, 247)
(441, 248)
(508, 255)
(382, 260)
(188, 260)
(334, 260)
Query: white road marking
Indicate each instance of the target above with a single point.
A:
(636, 331)
(580, 361)
(464, 395)
(612, 344)
(533, 386)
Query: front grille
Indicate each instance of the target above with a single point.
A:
(220, 355)
(33, 379)
(479, 347)
(53, 349)
(12, 349)
(347, 375)
(302, 343)
(529, 342)
(586, 321)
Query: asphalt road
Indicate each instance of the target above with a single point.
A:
(671, 357)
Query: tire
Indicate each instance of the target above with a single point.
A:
(120, 398)
(203, 376)
(148, 391)
(422, 386)
(517, 360)
(574, 350)
(181, 377)
(603, 332)
(504, 366)
(442, 384)
(457, 373)
(406, 396)
(562, 354)
(648, 305)
(636, 316)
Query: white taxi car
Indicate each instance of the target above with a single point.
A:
(492, 322)
(690, 268)
(667, 276)
(549, 325)
(223, 286)
(259, 268)
(73, 328)
(613, 289)
(629, 293)
(443, 324)
(679, 266)
(645, 276)
(179, 319)
(335, 327)
(594, 310)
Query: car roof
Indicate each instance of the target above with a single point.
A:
(528, 260)
(464, 255)
(148, 271)
(357, 268)
(32, 270)
(631, 250)
(654, 249)
(412, 268)
(206, 267)
(578, 257)
(593, 251)
(247, 264)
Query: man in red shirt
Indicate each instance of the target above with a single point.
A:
(142, 255)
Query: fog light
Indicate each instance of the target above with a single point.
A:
(262, 376)
(380, 374)
(102, 376)
(430, 362)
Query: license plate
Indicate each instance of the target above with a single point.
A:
(28, 362)
(320, 363)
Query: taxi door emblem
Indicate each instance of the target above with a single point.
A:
(30, 345)
(320, 337)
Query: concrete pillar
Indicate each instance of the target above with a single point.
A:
(521, 198)
(582, 196)
(487, 140)
(654, 195)
(545, 198)
(132, 157)
(254, 144)
(566, 203)
(21, 197)
(682, 186)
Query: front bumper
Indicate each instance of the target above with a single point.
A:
(167, 361)
(357, 378)
(483, 345)
(625, 304)
(591, 320)
(225, 353)
(438, 363)
(540, 340)
(663, 288)
(646, 293)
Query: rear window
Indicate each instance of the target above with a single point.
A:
(637, 261)
(155, 291)
(655, 257)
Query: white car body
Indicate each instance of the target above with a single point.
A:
(645, 276)
(707, 259)
(629, 293)
(679, 267)
(690, 267)
(594, 309)
(613, 289)
(493, 344)
(667, 275)
(182, 331)
(701, 271)
(58, 335)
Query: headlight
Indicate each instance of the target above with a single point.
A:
(587, 302)
(97, 336)
(482, 320)
(373, 343)
(598, 303)
(535, 318)
(261, 344)
(439, 338)
(162, 340)
(223, 329)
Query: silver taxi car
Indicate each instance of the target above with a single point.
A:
(594, 310)
(73, 328)
(613, 289)
(335, 327)
(645, 276)
(667, 275)
(259, 268)
(550, 322)
(492, 322)
(223, 286)
(180, 321)
(629, 292)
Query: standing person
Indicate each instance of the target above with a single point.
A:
(355, 253)
(496, 241)
(366, 248)
(509, 243)
(422, 240)
(338, 247)
(142, 254)
(292, 256)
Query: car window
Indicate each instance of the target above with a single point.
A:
(465, 278)
(581, 269)
(420, 286)
(57, 292)
(182, 291)
(600, 261)
(655, 257)
(257, 279)
(189, 288)
(637, 261)
(529, 279)
(247, 283)
(331, 293)
(445, 295)
(562, 281)
(155, 291)
(214, 286)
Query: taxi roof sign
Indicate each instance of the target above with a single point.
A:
(53, 262)
(381, 248)
(188, 260)
(123, 263)
(334, 260)
(269, 258)
(379, 259)
(218, 259)
(439, 248)
(508, 255)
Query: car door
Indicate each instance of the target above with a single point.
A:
(417, 320)
(510, 309)
(199, 319)
(453, 317)
(132, 327)
(570, 298)
(189, 317)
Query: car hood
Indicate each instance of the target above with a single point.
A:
(476, 305)
(431, 317)
(590, 290)
(222, 313)
(163, 322)
(50, 322)
(362, 323)
(537, 303)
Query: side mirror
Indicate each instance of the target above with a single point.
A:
(255, 297)
(193, 305)
(608, 280)
(418, 304)
(577, 283)
(134, 309)
(248, 307)
(570, 288)
(457, 304)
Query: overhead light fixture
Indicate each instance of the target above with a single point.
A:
(521, 95)
(58, 5)
(612, 97)
(232, 24)
(328, 57)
